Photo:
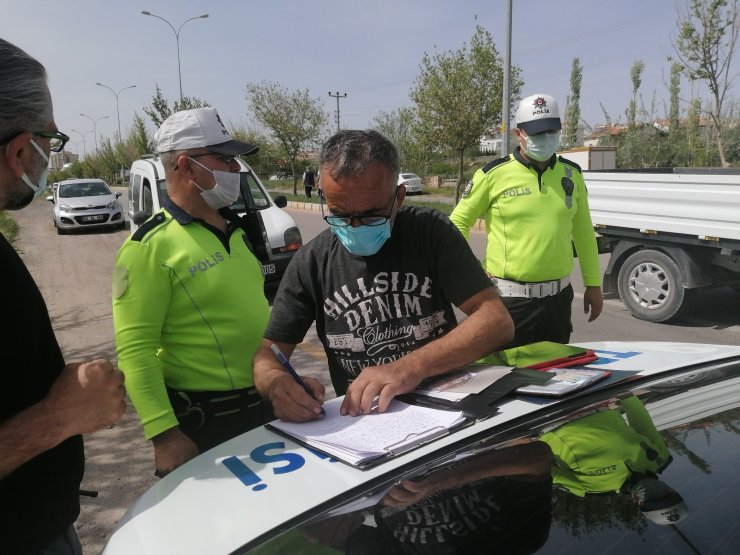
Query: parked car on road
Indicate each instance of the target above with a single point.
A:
(275, 233)
(642, 462)
(411, 181)
(85, 204)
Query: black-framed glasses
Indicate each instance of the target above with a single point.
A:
(225, 158)
(344, 221)
(57, 139)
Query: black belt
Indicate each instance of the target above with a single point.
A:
(214, 404)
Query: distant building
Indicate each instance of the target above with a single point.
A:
(57, 160)
(490, 143)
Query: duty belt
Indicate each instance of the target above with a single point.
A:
(538, 290)
(213, 404)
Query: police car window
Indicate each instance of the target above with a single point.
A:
(146, 196)
(162, 189)
(259, 198)
(134, 188)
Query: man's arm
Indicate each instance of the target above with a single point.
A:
(84, 398)
(141, 296)
(588, 256)
(487, 327)
(289, 400)
(474, 202)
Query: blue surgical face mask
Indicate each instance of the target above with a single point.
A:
(542, 146)
(363, 240)
(40, 187)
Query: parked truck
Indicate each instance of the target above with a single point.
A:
(670, 233)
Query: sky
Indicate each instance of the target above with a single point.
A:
(370, 50)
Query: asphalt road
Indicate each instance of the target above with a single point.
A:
(74, 274)
(716, 318)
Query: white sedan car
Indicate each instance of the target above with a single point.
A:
(85, 204)
(644, 461)
(411, 181)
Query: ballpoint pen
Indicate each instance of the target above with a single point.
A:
(289, 367)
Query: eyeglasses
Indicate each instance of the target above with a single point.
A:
(344, 221)
(225, 158)
(57, 139)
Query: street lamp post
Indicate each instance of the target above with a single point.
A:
(95, 127)
(82, 136)
(177, 39)
(118, 113)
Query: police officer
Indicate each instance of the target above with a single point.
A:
(188, 303)
(535, 203)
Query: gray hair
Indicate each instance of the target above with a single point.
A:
(351, 151)
(169, 160)
(25, 104)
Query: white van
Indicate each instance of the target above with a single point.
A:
(147, 191)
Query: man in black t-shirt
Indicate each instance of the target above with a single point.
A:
(44, 404)
(380, 284)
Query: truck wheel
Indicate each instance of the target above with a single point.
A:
(650, 286)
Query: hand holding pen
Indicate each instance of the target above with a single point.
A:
(289, 367)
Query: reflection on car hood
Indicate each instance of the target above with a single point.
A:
(203, 507)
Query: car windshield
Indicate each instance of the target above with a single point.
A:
(647, 470)
(86, 189)
(409, 176)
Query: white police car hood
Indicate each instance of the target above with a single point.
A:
(204, 507)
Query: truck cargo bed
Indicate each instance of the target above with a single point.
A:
(700, 205)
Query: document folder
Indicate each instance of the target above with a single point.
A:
(544, 355)
(482, 405)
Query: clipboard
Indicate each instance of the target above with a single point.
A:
(336, 436)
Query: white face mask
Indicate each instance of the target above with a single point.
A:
(226, 190)
(542, 146)
(40, 187)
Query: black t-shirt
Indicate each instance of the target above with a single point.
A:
(501, 515)
(40, 499)
(373, 310)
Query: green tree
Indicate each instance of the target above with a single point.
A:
(705, 45)
(636, 76)
(139, 138)
(295, 120)
(674, 89)
(269, 157)
(160, 110)
(573, 109)
(399, 126)
(458, 96)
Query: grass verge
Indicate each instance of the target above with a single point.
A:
(8, 227)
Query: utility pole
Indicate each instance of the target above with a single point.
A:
(506, 101)
(337, 96)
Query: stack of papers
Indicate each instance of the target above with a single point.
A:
(456, 386)
(359, 439)
(565, 381)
